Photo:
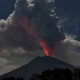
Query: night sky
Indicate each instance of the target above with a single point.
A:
(68, 12)
(64, 8)
(6, 7)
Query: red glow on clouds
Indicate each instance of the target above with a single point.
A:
(48, 51)
(27, 25)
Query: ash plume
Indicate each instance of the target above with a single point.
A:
(37, 20)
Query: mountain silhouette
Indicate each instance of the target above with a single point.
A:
(37, 65)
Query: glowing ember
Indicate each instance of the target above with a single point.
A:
(48, 51)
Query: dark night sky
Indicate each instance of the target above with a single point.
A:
(68, 7)
(64, 8)
(6, 7)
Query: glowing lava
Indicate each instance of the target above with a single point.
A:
(47, 50)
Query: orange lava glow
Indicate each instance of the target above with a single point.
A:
(48, 51)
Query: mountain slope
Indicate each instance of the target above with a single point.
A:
(38, 65)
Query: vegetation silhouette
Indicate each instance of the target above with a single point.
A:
(13, 78)
(58, 74)
(55, 74)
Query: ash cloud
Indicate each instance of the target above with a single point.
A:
(16, 45)
(69, 51)
(70, 47)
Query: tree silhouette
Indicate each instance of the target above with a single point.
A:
(77, 74)
(35, 77)
(56, 74)
(13, 78)
(9, 78)
(62, 74)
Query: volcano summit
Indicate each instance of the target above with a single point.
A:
(37, 65)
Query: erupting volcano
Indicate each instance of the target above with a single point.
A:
(47, 50)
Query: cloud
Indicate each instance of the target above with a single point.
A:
(12, 58)
(70, 25)
(68, 50)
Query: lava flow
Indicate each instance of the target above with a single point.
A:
(47, 50)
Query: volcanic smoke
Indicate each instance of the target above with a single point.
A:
(39, 20)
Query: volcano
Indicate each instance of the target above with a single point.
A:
(37, 65)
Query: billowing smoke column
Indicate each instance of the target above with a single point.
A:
(38, 18)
